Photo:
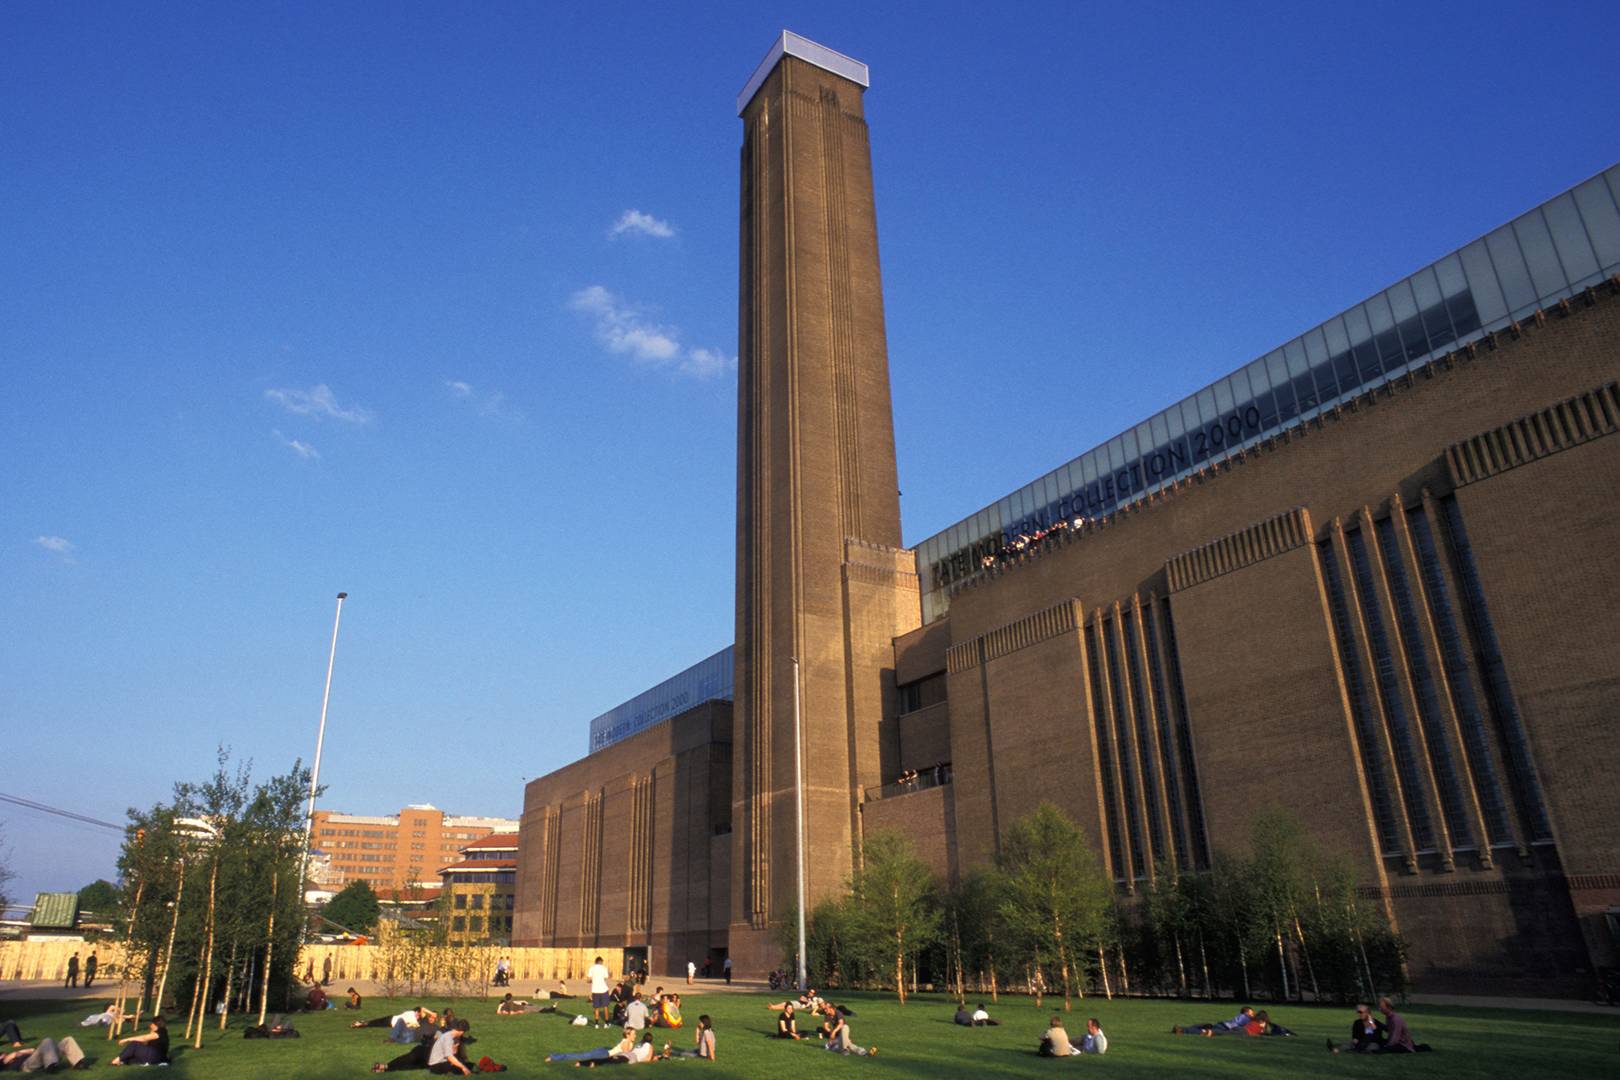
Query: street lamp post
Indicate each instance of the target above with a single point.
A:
(320, 741)
(798, 800)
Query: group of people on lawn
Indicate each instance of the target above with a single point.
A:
(438, 1041)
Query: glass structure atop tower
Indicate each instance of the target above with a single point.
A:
(1552, 252)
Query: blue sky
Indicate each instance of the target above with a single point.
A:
(438, 306)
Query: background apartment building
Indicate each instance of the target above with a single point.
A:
(394, 851)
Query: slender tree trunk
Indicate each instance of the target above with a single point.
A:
(193, 1012)
(995, 997)
(1124, 973)
(1102, 965)
(1203, 962)
(208, 952)
(269, 947)
(1372, 984)
(956, 954)
(1181, 966)
(1063, 968)
(1243, 962)
(230, 984)
(1282, 961)
(168, 951)
(122, 998)
(1310, 968)
(900, 967)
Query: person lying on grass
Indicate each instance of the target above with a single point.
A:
(622, 1048)
(510, 1006)
(1260, 1024)
(1244, 1017)
(640, 1054)
(48, 1056)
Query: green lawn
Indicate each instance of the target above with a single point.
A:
(919, 1040)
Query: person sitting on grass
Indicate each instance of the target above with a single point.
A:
(621, 1048)
(49, 1056)
(635, 1013)
(1399, 1038)
(1055, 1042)
(1367, 1034)
(669, 1012)
(705, 1046)
(446, 1056)
(315, 1000)
(1095, 1041)
(354, 999)
(981, 1018)
(151, 1048)
(839, 1040)
(787, 1024)
(1244, 1017)
(560, 992)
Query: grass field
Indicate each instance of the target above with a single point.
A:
(919, 1040)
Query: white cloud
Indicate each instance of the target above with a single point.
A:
(60, 546)
(492, 404)
(707, 363)
(622, 328)
(302, 449)
(318, 401)
(634, 221)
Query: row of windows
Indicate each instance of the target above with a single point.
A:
(1550, 253)
(475, 901)
(474, 924)
(1438, 747)
(1152, 807)
(353, 832)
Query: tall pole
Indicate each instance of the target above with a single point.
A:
(320, 741)
(798, 801)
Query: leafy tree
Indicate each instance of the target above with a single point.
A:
(99, 897)
(5, 871)
(895, 909)
(1057, 899)
(984, 944)
(355, 908)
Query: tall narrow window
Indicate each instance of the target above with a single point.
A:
(1498, 690)
(1105, 757)
(1476, 744)
(1144, 737)
(1400, 727)
(1428, 694)
(1127, 756)
(1361, 708)
(1167, 742)
(1195, 801)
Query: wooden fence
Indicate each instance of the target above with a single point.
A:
(531, 968)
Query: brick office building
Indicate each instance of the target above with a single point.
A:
(396, 850)
(1372, 577)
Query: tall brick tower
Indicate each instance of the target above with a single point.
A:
(821, 576)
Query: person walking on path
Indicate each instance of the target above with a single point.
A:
(727, 968)
(90, 970)
(691, 972)
(72, 971)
